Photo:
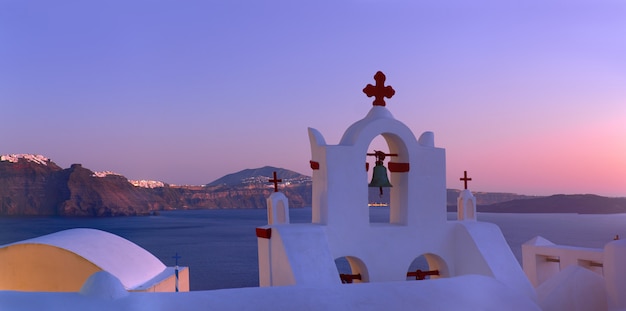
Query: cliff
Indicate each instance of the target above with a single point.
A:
(28, 186)
(35, 186)
(31, 187)
(240, 196)
(85, 194)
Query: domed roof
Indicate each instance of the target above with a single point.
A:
(127, 261)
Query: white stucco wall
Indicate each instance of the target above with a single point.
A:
(470, 292)
(383, 252)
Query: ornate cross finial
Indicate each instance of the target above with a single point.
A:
(176, 257)
(275, 181)
(379, 91)
(465, 179)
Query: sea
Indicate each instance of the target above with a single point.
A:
(220, 246)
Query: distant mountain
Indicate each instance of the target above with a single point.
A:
(482, 198)
(259, 176)
(577, 203)
(33, 185)
(27, 185)
(485, 198)
(249, 188)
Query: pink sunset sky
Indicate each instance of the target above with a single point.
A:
(527, 96)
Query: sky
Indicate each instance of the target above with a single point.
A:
(527, 96)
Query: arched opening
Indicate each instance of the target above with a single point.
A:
(387, 204)
(427, 266)
(378, 202)
(351, 270)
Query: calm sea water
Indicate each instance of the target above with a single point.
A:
(220, 246)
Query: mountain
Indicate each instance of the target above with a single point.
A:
(259, 176)
(27, 185)
(32, 185)
(249, 188)
(482, 198)
(486, 198)
(560, 203)
(87, 194)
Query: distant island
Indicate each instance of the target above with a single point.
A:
(33, 185)
(560, 203)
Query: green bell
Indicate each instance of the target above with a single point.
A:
(379, 177)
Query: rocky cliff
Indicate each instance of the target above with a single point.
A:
(42, 188)
(28, 186)
(35, 186)
(83, 193)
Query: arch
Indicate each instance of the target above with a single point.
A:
(354, 266)
(378, 204)
(377, 121)
(398, 193)
(399, 139)
(431, 266)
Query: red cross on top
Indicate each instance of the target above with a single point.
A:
(275, 181)
(465, 179)
(379, 91)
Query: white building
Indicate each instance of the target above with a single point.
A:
(63, 261)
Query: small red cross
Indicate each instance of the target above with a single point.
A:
(379, 91)
(275, 181)
(465, 179)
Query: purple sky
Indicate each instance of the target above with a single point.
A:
(527, 96)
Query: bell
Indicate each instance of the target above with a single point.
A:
(379, 177)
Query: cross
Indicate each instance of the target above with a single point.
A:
(379, 91)
(275, 181)
(176, 257)
(465, 179)
(176, 271)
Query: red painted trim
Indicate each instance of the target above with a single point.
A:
(348, 278)
(421, 275)
(398, 167)
(265, 233)
(315, 165)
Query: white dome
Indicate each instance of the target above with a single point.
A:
(127, 261)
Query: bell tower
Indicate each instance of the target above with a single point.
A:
(341, 231)
(416, 170)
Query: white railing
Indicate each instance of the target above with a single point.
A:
(542, 259)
